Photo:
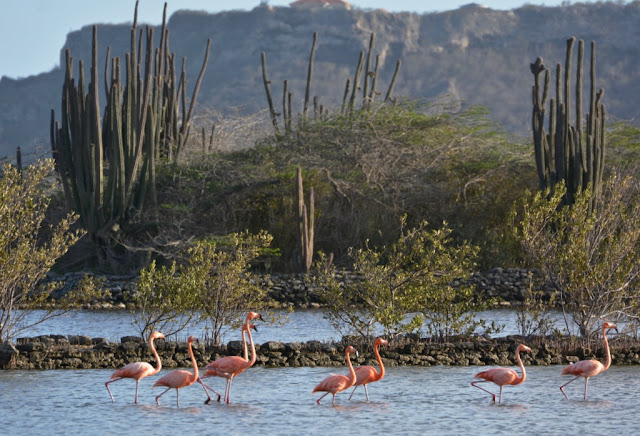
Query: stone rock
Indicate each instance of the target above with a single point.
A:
(272, 346)
(8, 355)
(31, 346)
(293, 346)
(235, 347)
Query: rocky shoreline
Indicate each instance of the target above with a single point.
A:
(83, 352)
(293, 290)
(506, 285)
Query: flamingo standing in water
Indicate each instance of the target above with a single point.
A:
(367, 374)
(179, 378)
(138, 370)
(337, 383)
(503, 376)
(589, 368)
(232, 366)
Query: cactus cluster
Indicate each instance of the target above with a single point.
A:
(107, 166)
(351, 93)
(573, 153)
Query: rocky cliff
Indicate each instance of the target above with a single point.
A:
(477, 55)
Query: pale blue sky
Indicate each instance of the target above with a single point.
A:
(32, 32)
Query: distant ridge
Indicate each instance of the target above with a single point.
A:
(478, 55)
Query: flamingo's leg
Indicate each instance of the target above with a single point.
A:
(157, 403)
(483, 389)
(177, 397)
(229, 390)
(352, 392)
(107, 385)
(586, 386)
(500, 400)
(562, 387)
(366, 392)
(318, 400)
(207, 392)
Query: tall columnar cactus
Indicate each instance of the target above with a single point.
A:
(107, 167)
(569, 152)
(305, 225)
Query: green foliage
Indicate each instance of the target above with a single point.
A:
(448, 305)
(422, 159)
(165, 299)
(398, 285)
(220, 269)
(214, 283)
(593, 260)
(25, 258)
(532, 316)
(624, 144)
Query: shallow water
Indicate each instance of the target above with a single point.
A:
(302, 326)
(409, 400)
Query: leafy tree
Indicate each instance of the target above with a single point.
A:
(400, 284)
(592, 259)
(532, 316)
(165, 299)
(220, 270)
(27, 251)
(448, 304)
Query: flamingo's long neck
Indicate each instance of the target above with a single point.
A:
(253, 348)
(244, 338)
(352, 372)
(379, 359)
(606, 347)
(195, 364)
(523, 377)
(244, 343)
(155, 353)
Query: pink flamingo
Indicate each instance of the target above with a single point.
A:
(179, 378)
(231, 366)
(337, 383)
(503, 376)
(367, 374)
(138, 370)
(589, 368)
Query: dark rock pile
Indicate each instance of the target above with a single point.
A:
(77, 352)
(507, 285)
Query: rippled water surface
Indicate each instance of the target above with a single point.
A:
(410, 400)
(302, 326)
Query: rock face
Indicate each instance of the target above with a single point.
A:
(475, 54)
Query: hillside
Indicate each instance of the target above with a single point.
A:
(475, 54)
